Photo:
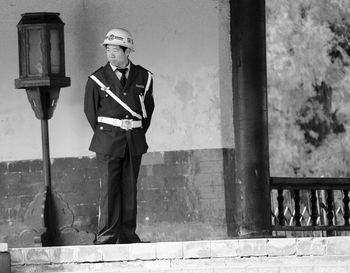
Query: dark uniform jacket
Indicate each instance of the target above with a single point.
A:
(108, 139)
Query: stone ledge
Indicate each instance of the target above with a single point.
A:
(199, 266)
(278, 247)
(336, 248)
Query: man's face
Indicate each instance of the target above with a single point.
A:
(116, 56)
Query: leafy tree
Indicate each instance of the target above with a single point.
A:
(316, 118)
(308, 86)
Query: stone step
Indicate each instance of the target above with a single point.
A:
(277, 255)
(332, 268)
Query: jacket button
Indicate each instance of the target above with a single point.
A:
(124, 94)
(127, 116)
(101, 128)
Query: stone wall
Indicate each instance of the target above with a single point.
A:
(182, 195)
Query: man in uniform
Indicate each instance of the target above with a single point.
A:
(118, 104)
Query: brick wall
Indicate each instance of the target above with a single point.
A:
(182, 195)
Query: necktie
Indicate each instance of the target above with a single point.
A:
(123, 77)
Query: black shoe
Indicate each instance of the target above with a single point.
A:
(133, 240)
(109, 240)
(128, 241)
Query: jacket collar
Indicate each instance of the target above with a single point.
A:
(114, 68)
(112, 79)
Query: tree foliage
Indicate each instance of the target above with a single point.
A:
(308, 63)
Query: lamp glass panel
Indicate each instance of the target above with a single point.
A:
(55, 51)
(35, 54)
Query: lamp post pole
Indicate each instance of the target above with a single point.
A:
(46, 152)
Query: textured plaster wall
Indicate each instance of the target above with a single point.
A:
(179, 41)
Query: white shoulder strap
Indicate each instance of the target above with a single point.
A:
(142, 98)
(109, 92)
(148, 82)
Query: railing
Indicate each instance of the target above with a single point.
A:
(310, 204)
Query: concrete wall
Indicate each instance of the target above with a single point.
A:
(180, 41)
(185, 186)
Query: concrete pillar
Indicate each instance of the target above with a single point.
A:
(251, 190)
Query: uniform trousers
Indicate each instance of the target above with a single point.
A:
(118, 198)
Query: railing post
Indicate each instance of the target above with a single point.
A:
(280, 200)
(346, 207)
(297, 213)
(248, 45)
(314, 211)
(330, 214)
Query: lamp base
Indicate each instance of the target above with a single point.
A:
(34, 218)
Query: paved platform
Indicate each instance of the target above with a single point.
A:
(277, 255)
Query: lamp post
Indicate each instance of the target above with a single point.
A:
(42, 75)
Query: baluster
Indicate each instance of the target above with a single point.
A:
(330, 207)
(314, 212)
(297, 214)
(346, 200)
(280, 199)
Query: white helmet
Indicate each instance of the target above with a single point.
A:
(120, 37)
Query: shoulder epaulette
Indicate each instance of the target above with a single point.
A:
(139, 66)
(98, 70)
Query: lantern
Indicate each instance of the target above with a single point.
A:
(41, 60)
(42, 75)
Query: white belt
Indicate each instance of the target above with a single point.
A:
(126, 124)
